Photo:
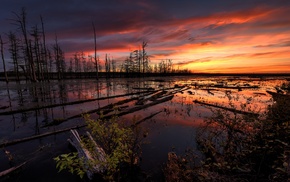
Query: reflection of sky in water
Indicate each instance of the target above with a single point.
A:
(173, 128)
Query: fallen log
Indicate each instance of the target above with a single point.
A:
(152, 97)
(137, 108)
(106, 108)
(4, 107)
(69, 103)
(226, 108)
(235, 87)
(13, 142)
(147, 89)
(10, 170)
(99, 153)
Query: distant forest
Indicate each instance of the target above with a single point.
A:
(32, 59)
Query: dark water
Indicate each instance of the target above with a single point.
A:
(173, 129)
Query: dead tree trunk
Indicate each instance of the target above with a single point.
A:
(95, 43)
(2, 55)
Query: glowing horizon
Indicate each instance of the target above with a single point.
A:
(240, 37)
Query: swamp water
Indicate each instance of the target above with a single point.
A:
(172, 129)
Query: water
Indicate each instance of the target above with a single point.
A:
(172, 130)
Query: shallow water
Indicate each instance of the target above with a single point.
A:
(173, 129)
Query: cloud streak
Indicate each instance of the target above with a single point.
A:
(193, 34)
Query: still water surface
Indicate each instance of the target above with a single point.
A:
(172, 129)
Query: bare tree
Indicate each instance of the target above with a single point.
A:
(2, 56)
(107, 66)
(37, 53)
(59, 60)
(95, 49)
(14, 48)
(44, 49)
(21, 22)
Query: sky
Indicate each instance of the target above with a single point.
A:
(208, 36)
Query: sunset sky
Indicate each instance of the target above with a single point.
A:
(216, 36)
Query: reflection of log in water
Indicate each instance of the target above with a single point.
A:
(144, 119)
(226, 108)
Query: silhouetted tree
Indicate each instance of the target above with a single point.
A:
(107, 66)
(59, 59)
(2, 56)
(44, 49)
(36, 54)
(145, 58)
(21, 22)
(95, 49)
(14, 49)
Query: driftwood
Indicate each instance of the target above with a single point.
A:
(226, 108)
(69, 103)
(13, 142)
(10, 170)
(99, 154)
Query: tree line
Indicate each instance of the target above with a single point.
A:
(34, 60)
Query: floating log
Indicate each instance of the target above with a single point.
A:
(150, 97)
(105, 108)
(88, 157)
(226, 108)
(137, 108)
(236, 87)
(134, 109)
(69, 103)
(4, 107)
(10, 170)
(259, 93)
(13, 142)
(147, 89)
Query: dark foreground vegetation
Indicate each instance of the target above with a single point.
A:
(239, 147)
